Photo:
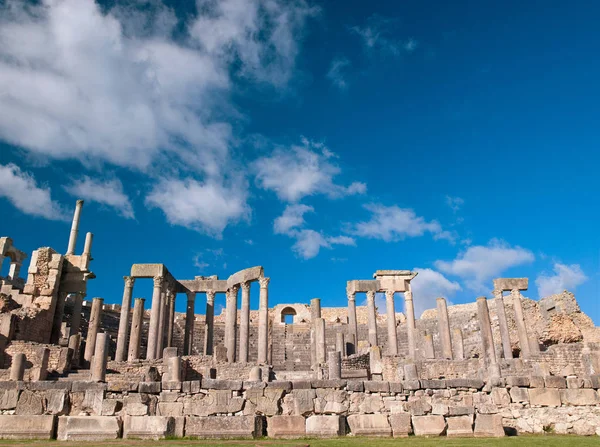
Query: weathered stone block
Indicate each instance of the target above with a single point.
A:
(376, 387)
(150, 387)
(555, 382)
(460, 426)
(355, 385)
(29, 403)
(545, 397)
(488, 426)
(396, 387)
(595, 378)
(519, 395)
(369, 425)
(371, 404)
(27, 427)
(148, 427)
(418, 407)
(401, 424)
(301, 385)
(9, 399)
(521, 381)
(325, 426)
(335, 384)
(433, 384)
(579, 397)
(574, 383)
(281, 385)
(429, 425)
(224, 427)
(500, 397)
(536, 382)
(217, 384)
(57, 402)
(286, 427)
(460, 410)
(411, 385)
(174, 409)
(465, 383)
(191, 387)
(136, 409)
(88, 428)
(81, 386)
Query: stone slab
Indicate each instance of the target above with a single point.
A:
(224, 427)
(544, 397)
(369, 425)
(27, 427)
(89, 428)
(578, 397)
(401, 424)
(429, 425)
(148, 427)
(286, 427)
(376, 387)
(218, 384)
(488, 426)
(459, 426)
(325, 426)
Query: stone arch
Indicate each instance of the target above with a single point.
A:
(300, 312)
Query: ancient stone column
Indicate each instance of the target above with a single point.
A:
(315, 313)
(315, 308)
(124, 319)
(352, 322)
(40, 370)
(372, 318)
(100, 358)
(74, 228)
(458, 343)
(321, 347)
(209, 322)
(520, 321)
(171, 296)
(391, 323)
(503, 324)
(334, 362)
(17, 369)
(76, 315)
(429, 351)
(444, 328)
(154, 318)
(485, 328)
(95, 319)
(188, 336)
(410, 322)
(87, 250)
(340, 343)
(160, 337)
(231, 322)
(59, 311)
(263, 321)
(75, 347)
(245, 323)
(137, 322)
(174, 368)
(14, 269)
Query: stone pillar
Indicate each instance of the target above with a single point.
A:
(315, 308)
(245, 323)
(100, 358)
(340, 343)
(231, 322)
(209, 323)
(95, 319)
(320, 341)
(14, 269)
(520, 321)
(391, 323)
(334, 362)
(263, 321)
(75, 347)
(503, 324)
(429, 351)
(124, 319)
(459, 347)
(160, 336)
(59, 311)
(40, 370)
(188, 336)
(17, 369)
(137, 322)
(485, 328)
(74, 228)
(174, 368)
(352, 322)
(76, 314)
(154, 318)
(171, 296)
(315, 313)
(444, 328)
(372, 318)
(87, 250)
(410, 321)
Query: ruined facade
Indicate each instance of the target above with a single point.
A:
(77, 369)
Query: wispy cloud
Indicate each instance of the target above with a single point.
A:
(455, 203)
(336, 73)
(379, 33)
(106, 192)
(565, 277)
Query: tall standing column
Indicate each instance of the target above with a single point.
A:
(372, 318)
(231, 322)
(59, 311)
(245, 323)
(74, 228)
(209, 322)
(94, 324)
(171, 316)
(487, 340)
(160, 344)
(444, 328)
(263, 321)
(321, 351)
(76, 314)
(315, 314)
(100, 358)
(391, 323)
(154, 318)
(124, 319)
(459, 347)
(135, 337)
(520, 320)
(352, 321)
(188, 336)
(409, 308)
(503, 324)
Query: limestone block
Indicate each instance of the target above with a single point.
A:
(521, 381)
(334, 383)
(179, 430)
(519, 395)
(376, 387)
(149, 387)
(536, 382)
(500, 397)
(88, 428)
(595, 378)
(460, 410)
(191, 386)
(284, 385)
(110, 407)
(439, 408)
(27, 427)
(9, 399)
(401, 424)
(217, 384)
(148, 427)
(215, 402)
(555, 382)
(465, 383)
(325, 426)
(369, 425)
(57, 402)
(418, 407)
(224, 427)
(331, 401)
(488, 426)
(355, 385)
(579, 397)
(173, 409)
(429, 425)
(460, 426)
(396, 387)
(574, 383)
(433, 384)
(411, 385)
(545, 397)
(29, 403)
(286, 427)
(303, 402)
(371, 404)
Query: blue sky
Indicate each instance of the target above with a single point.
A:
(324, 143)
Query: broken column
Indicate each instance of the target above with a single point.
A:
(17, 369)
(40, 369)
(209, 322)
(391, 323)
(100, 358)
(503, 324)
(188, 336)
(74, 228)
(94, 324)
(444, 328)
(75, 347)
(410, 320)
(320, 341)
(429, 352)
(520, 321)
(458, 343)
(263, 321)
(154, 318)
(174, 368)
(334, 362)
(352, 322)
(124, 319)
(171, 296)
(231, 322)
(135, 338)
(315, 313)
(245, 323)
(162, 319)
(372, 318)
(485, 329)
(340, 343)
(76, 314)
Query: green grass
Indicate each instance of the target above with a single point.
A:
(541, 440)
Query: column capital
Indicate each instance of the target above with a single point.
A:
(210, 296)
(497, 293)
(234, 289)
(158, 281)
(389, 294)
(143, 300)
(264, 282)
(246, 286)
(408, 295)
(371, 295)
(191, 296)
(129, 281)
(351, 296)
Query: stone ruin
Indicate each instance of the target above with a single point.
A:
(80, 370)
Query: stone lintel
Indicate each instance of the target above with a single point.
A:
(507, 284)
(203, 285)
(362, 286)
(249, 274)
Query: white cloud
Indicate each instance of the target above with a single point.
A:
(455, 203)
(429, 285)
(379, 34)
(566, 277)
(308, 243)
(208, 258)
(336, 72)
(108, 193)
(292, 217)
(341, 240)
(479, 264)
(207, 207)
(392, 223)
(300, 171)
(20, 189)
